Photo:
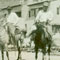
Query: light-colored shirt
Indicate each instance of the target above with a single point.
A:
(12, 18)
(44, 16)
(16, 21)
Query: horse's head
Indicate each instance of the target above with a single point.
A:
(39, 26)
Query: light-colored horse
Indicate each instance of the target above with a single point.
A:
(11, 33)
(4, 40)
(16, 29)
(16, 35)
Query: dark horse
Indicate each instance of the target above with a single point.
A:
(40, 40)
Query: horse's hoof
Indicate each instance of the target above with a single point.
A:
(35, 59)
(20, 59)
(17, 59)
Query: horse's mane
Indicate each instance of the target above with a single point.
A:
(39, 28)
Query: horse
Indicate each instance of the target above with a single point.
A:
(16, 37)
(4, 40)
(40, 40)
(10, 34)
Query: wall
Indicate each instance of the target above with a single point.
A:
(5, 3)
(56, 17)
(16, 9)
(25, 10)
(53, 7)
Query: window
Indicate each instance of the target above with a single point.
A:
(29, 13)
(37, 10)
(19, 14)
(40, 8)
(32, 13)
(57, 10)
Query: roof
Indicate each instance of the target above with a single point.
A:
(37, 2)
(10, 7)
(5, 4)
(30, 4)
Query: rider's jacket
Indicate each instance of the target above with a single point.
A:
(43, 17)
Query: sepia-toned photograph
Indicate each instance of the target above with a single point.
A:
(29, 29)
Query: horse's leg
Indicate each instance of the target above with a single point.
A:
(43, 57)
(49, 46)
(36, 54)
(6, 48)
(2, 52)
(44, 53)
(7, 55)
(19, 51)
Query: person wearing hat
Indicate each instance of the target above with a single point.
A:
(44, 17)
(44, 14)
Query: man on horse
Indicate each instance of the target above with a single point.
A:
(44, 17)
(43, 29)
(12, 19)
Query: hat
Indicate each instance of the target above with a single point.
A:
(46, 3)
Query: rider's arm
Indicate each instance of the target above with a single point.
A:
(38, 16)
(50, 16)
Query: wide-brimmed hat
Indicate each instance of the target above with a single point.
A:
(46, 3)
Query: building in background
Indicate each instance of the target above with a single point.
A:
(23, 8)
(55, 8)
(14, 4)
(36, 5)
(28, 10)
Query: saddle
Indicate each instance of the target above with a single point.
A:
(43, 28)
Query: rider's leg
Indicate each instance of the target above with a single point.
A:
(2, 52)
(19, 51)
(44, 53)
(6, 48)
(36, 54)
(49, 50)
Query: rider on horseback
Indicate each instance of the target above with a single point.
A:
(44, 17)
